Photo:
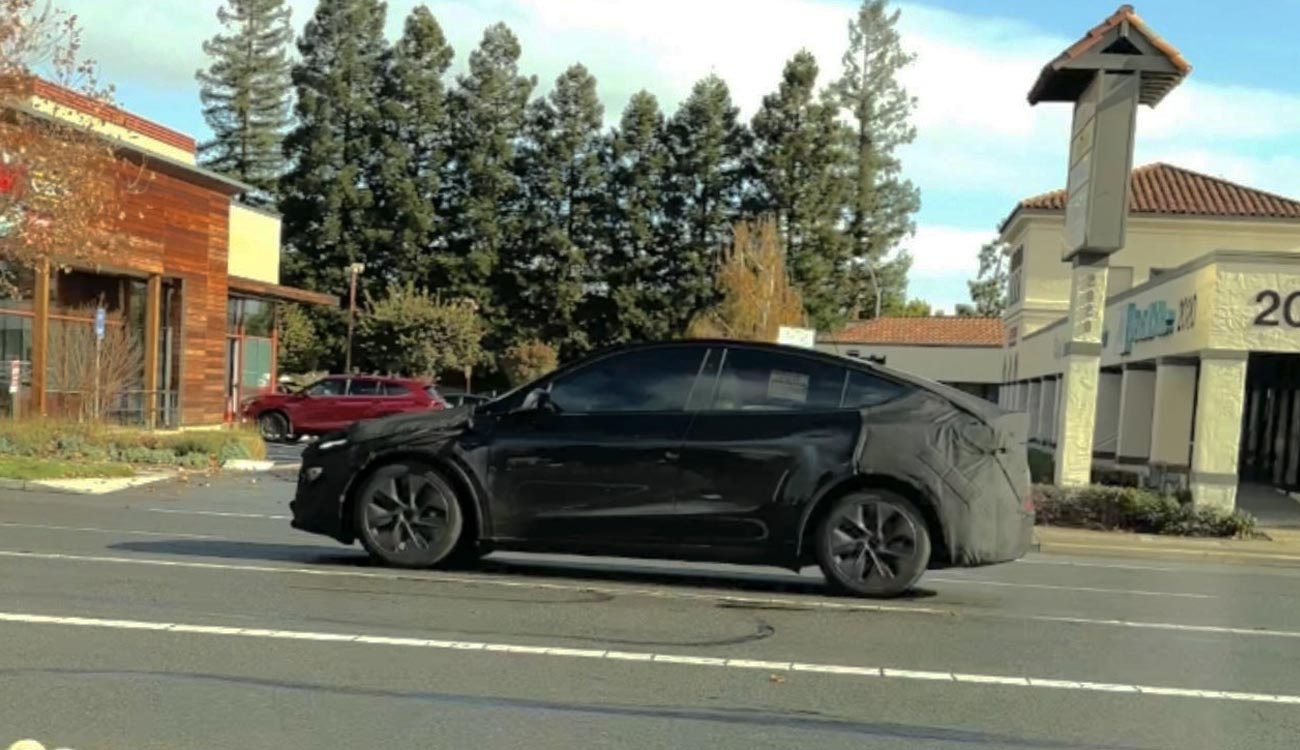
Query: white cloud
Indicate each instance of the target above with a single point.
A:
(946, 250)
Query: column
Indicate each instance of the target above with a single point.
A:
(1031, 406)
(40, 337)
(1078, 384)
(1220, 398)
(1056, 410)
(1047, 412)
(1137, 391)
(1105, 431)
(152, 322)
(1171, 414)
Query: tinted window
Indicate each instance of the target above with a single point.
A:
(395, 389)
(365, 388)
(868, 390)
(758, 380)
(646, 380)
(331, 387)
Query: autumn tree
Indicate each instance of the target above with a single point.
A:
(755, 291)
(410, 331)
(528, 360)
(62, 188)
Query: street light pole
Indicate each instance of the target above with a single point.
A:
(353, 271)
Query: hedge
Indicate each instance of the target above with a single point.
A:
(91, 442)
(1132, 509)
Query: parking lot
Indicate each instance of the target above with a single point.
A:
(191, 615)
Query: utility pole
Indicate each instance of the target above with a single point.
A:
(353, 271)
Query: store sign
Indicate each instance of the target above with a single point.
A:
(1275, 310)
(1155, 320)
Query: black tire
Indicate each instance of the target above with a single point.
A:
(407, 516)
(873, 543)
(274, 426)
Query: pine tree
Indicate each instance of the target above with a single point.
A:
(707, 149)
(881, 202)
(548, 267)
(326, 202)
(633, 304)
(245, 94)
(801, 181)
(411, 143)
(989, 289)
(487, 108)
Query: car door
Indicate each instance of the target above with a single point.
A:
(395, 398)
(314, 410)
(361, 401)
(772, 434)
(600, 465)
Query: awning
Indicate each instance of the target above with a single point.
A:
(242, 285)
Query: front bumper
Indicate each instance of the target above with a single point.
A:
(318, 504)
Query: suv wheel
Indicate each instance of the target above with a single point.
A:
(408, 516)
(274, 426)
(873, 543)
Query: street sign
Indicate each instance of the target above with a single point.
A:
(791, 336)
(99, 324)
(1101, 155)
(15, 375)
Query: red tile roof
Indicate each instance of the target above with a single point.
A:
(939, 331)
(1161, 188)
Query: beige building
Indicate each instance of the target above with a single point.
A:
(1199, 385)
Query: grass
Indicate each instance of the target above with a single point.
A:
(98, 444)
(27, 469)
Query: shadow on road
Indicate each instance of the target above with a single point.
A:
(671, 574)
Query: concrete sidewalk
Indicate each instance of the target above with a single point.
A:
(1282, 549)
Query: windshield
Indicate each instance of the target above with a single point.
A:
(667, 375)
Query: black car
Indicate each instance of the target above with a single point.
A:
(698, 450)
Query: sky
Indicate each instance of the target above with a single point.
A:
(980, 147)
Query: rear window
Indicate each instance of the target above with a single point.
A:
(865, 389)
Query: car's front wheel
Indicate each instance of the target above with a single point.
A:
(873, 543)
(274, 426)
(407, 516)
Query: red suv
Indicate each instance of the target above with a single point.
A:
(336, 402)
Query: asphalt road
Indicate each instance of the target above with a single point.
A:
(192, 616)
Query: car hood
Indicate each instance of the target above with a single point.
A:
(411, 426)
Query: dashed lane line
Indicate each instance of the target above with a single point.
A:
(683, 660)
(97, 530)
(218, 514)
(1080, 589)
(756, 601)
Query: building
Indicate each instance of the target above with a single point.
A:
(194, 292)
(1200, 362)
(962, 352)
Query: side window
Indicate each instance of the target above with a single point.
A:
(755, 380)
(395, 389)
(328, 387)
(654, 380)
(865, 389)
(365, 387)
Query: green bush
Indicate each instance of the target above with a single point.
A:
(1132, 509)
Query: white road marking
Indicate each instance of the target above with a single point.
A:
(795, 604)
(1082, 589)
(97, 530)
(1205, 553)
(1115, 566)
(218, 514)
(24, 618)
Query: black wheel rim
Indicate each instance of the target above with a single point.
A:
(406, 513)
(873, 543)
(272, 426)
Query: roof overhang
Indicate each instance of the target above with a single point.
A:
(279, 292)
(1122, 43)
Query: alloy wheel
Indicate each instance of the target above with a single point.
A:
(408, 516)
(874, 543)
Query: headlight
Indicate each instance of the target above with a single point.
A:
(313, 473)
(330, 445)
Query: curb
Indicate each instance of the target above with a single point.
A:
(1153, 552)
(24, 485)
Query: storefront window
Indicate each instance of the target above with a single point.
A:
(254, 316)
(256, 364)
(15, 338)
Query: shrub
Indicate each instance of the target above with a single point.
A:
(73, 441)
(1132, 509)
(528, 361)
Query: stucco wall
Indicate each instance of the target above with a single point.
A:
(946, 364)
(254, 244)
(111, 130)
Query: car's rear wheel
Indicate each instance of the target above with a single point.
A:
(873, 543)
(274, 426)
(407, 516)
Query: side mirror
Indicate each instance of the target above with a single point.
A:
(538, 400)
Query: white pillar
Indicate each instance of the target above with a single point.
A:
(1035, 396)
(1105, 431)
(1046, 404)
(1171, 415)
(1135, 401)
(1220, 399)
(1078, 384)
